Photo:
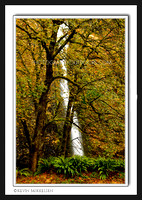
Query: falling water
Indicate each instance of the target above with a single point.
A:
(76, 138)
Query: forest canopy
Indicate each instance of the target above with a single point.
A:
(93, 51)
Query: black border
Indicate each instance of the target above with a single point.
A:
(2, 102)
(139, 99)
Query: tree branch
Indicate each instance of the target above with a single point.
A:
(61, 38)
(24, 31)
(26, 132)
(45, 47)
(31, 37)
(66, 41)
(65, 78)
(99, 79)
(19, 70)
(113, 109)
(25, 21)
(23, 61)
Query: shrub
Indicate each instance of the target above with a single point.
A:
(23, 172)
(78, 163)
(120, 165)
(75, 165)
(88, 162)
(44, 165)
(105, 166)
(63, 166)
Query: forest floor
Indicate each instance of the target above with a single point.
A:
(84, 178)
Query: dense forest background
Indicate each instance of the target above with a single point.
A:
(95, 61)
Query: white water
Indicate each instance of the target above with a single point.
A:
(76, 138)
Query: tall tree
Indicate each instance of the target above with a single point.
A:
(37, 39)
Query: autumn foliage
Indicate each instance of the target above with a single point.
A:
(95, 61)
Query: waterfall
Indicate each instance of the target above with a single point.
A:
(76, 137)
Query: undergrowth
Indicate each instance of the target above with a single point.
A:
(76, 165)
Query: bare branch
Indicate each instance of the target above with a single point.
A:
(113, 108)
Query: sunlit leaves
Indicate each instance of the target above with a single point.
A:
(95, 60)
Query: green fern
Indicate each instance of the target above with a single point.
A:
(64, 166)
(43, 166)
(75, 165)
(105, 166)
(23, 172)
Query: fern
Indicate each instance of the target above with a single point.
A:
(44, 165)
(105, 166)
(23, 172)
(64, 166)
(75, 165)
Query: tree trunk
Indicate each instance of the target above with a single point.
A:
(33, 158)
(34, 161)
(34, 140)
(41, 119)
